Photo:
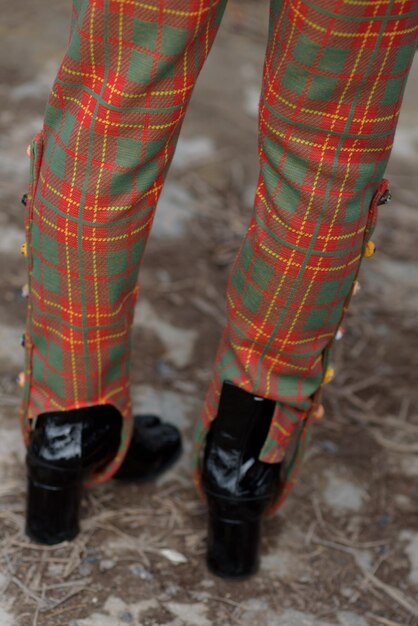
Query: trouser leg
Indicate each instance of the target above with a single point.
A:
(334, 76)
(97, 170)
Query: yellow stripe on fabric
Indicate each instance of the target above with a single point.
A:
(342, 118)
(298, 342)
(320, 146)
(156, 9)
(239, 349)
(91, 40)
(120, 47)
(120, 124)
(277, 426)
(350, 35)
(365, 2)
(207, 38)
(114, 392)
(377, 81)
(67, 234)
(199, 18)
(62, 407)
(64, 336)
(283, 135)
(290, 229)
(404, 31)
(123, 207)
(185, 59)
(88, 238)
(115, 313)
(95, 272)
(125, 94)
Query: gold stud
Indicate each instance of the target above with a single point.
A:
(24, 249)
(370, 249)
(329, 375)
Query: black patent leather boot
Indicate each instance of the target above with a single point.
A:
(238, 486)
(155, 446)
(65, 447)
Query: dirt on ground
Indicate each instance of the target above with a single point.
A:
(343, 551)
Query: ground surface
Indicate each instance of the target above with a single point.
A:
(344, 549)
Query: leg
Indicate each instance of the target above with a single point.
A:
(98, 167)
(334, 76)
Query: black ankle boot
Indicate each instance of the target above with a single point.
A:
(154, 447)
(65, 447)
(238, 486)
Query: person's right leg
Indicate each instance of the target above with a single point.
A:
(334, 77)
(98, 167)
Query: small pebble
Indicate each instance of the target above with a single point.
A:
(126, 617)
(171, 590)
(164, 277)
(164, 370)
(84, 570)
(91, 556)
(328, 446)
(305, 579)
(106, 564)
(384, 520)
(185, 386)
(55, 569)
(173, 556)
(141, 572)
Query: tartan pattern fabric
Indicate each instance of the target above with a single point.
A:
(98, 167)
(334, 76)
(333, 81)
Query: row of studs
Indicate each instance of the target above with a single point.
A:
(369, 251)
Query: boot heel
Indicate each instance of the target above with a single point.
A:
(239, 487)
(53, 504)
(233, 537)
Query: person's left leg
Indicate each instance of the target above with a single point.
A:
(334, 77)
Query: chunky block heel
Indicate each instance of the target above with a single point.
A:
(53, 504)
(238, 487)
(233, 542)
(65, 448)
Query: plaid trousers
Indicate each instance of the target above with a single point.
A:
(333, 80)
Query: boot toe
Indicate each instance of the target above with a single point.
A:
(155, 447)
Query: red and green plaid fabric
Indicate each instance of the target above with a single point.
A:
(333, 81)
